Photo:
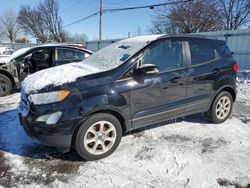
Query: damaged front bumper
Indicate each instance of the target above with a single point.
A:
(50, 124)
(47, 135)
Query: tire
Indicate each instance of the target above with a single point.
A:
(5, 85)
(221, 108)
(93, 144)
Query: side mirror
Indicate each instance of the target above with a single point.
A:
(140, 72)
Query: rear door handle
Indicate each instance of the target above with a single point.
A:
(176, 80)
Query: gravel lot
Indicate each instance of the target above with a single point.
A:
(187, 152)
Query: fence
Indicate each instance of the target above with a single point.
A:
(237, 40)
(17, 46)
(97, 45)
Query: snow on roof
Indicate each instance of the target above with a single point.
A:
(145, 38)
(106, 59)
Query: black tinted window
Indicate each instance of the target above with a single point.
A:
(40, 55)
(166, 55)
(201, 52)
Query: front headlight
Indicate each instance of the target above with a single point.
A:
(49, 97)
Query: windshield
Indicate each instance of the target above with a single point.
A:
(117, 53)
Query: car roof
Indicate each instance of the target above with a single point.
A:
(191, 36)
(143, 38)
(65, 45)
(151, 38)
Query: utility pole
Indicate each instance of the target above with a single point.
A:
(100, 22)
(129, 34)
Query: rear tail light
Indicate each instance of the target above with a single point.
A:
(236, 67)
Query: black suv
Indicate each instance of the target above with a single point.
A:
(127, 85)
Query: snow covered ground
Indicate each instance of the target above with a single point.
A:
(188, 152)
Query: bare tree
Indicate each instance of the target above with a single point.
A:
(9, 23)
(235, 13)
(53, 20)
(190, 17)
(31, 20)
(43, 21)
(1, 31)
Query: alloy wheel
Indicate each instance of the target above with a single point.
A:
(223, 107)
(100, 137)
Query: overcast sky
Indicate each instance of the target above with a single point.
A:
(115, 25)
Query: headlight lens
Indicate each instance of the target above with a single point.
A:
(50, 97)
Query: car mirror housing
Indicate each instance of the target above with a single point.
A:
(140, 72)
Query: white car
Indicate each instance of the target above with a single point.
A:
(6, 50)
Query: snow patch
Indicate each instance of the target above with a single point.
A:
(9, 102)
(4, 59)
(187, 153)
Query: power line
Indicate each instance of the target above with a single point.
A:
(145, 6)
(152, 6)
(82, 19)
(119, 2)
(74, 14)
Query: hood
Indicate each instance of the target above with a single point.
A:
(20, 52)
(4, 59)
(57, 76)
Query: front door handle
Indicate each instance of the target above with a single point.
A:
(176, 80)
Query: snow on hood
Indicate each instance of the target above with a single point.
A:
(20, 52)
(56, 76)
(106, 59)
(4, 59)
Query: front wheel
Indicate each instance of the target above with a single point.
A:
(5, 85)
(221, 108)
(98, 136)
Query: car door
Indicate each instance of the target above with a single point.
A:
(68, 55)
(203, 70)
(161, 95)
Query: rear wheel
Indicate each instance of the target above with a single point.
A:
(221, 108)
(5, 85)
(98, 136)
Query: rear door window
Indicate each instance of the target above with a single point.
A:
(65, 54)
(201, 52)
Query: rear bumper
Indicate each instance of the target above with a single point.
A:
(46, 134)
